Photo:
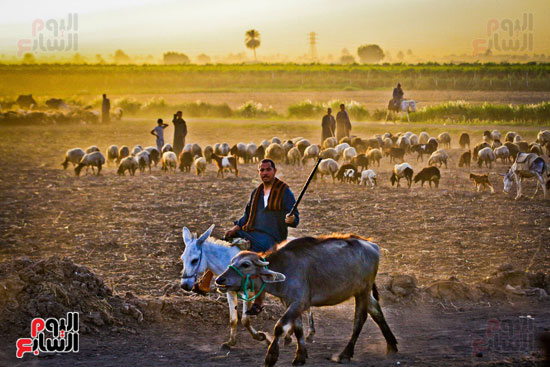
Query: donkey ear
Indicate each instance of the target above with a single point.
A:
(187, 236)
(270, 276)
(206, 234)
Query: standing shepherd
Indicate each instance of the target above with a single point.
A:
(265, 221)
(397, 96)
(343, 124)
(105, 109)
(328, 125)
(180, 132)
(158, 131)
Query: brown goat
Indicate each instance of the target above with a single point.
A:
(481, 181)
(465, 159)
(225, 163)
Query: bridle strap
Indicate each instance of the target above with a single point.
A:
(247, 280)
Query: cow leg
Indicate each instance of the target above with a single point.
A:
(282, 326)
(376, 313)
(245, 320)
(361, 314)
(301, 351)
(311, 331)
(233, 320)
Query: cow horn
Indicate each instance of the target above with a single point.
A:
(260, 262)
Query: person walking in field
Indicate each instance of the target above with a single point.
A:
(264, 223)
(343, 124)
(158, 131)
(105, 109)
(328, 126)
(180, 132)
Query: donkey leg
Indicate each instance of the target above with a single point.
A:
(245, 320)
(376, 313)
(281, 327)
(233, 320)
(361, 305)
(301, 351)
(518, 184)
(311, 331)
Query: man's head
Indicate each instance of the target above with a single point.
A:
(104, 95)
(329, 110)
(342, 107)
(159, 121)
(267, 171)
(179, 113)
(398, 85)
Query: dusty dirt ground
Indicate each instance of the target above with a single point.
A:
(127, 230)
(371, 99)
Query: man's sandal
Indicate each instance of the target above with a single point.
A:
(254, 310)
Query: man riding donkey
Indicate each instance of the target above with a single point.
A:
(397, 98)
(265, 221)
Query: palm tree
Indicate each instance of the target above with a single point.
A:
(252, 40)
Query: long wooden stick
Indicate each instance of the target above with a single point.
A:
(305, 187)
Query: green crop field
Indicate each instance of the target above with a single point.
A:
(69, 79)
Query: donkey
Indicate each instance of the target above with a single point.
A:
(307, 272)
(407, 105)
(527, 165)
(207, 252)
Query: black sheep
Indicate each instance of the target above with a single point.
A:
(428, 174)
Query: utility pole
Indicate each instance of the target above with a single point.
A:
(313, 46)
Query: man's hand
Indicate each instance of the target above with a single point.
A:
(289, 219)
(232, 232)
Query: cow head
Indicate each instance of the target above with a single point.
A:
(248, 264)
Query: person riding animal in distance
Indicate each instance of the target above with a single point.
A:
(397, 96)
(264, 223)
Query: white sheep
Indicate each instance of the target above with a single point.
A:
(200, 166)
(311, 152)
(495, 135)
(276, 140)
(129, 164)
(402, 170)
(349, 153)
(144, 160)
(327, 167)
(265, 144)
(167, 148)
(413, 139)
(154, 154)
(251, 150)
(94, 159)
(169, 161)
(368, 178)
(136, 150)
(73, 156)
(275, 152)
(112, 154)
(517, 139)
(341, 147)
(543, 137)
(503, 153)
(486, 155)
(404, 143)
(330, 142)
(374, 155)
(91, 149)
(423, 138)
(329, 153)
(189, 147)
(123, 152)
(438, 157)
(293, 156)
(444, 139)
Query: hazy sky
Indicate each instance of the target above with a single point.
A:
(216, 27)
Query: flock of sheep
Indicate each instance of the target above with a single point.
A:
(357, 155)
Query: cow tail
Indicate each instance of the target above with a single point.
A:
(375, 292)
